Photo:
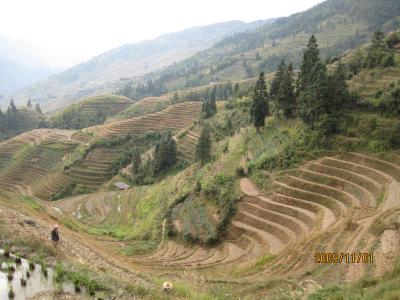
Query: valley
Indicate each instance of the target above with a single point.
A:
(263, 164)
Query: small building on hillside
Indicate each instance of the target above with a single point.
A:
(121, 186)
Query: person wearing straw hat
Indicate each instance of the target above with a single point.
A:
(54, 234)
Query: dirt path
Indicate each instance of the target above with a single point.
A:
(73, 246)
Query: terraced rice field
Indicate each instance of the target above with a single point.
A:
(50, 184)
(174, 117)
(29, 165)
(367, 82)
(92, 110)
(37, 136)
(91, 173)
(7, 150)
(142, 107)
(186, 142)
(110, 105)
(95, 168)
(325, 205)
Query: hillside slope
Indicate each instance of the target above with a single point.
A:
(339, 25)
(90, 111)
(131, 60)
(19, 65)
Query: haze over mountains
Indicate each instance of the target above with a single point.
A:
(19, 65)
(130, 60)
(339, 25)
(220, 52)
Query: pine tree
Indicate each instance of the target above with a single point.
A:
(311, 62)
(136, 161)
(38, 108)
(209, 105)
(13, 107)
(289, 97)
(29, 104)
(213, 101)
(9, 119)
(376, 51)
(313, 100)
(175, 99)
(282, 90)
(203, 147)
(12, 116)
(259, 107)
(2, 121)
(337, 90)
(165, 153)
(277, 81)
(230, 89)
(236, 90)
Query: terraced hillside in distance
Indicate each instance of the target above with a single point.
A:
(186, 141)
(145, 106)
(91, 111)
(94, 169)
(38, 162)
(29, 157)
(177, 116)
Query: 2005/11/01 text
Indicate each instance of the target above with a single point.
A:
(343, 257)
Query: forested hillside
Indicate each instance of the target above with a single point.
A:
(339, 25)
(103, 72)
(14, 121)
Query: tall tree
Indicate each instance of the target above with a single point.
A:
(289, 94)
(337, 90)
(136, 161)
(213, 100)
(12, 116)
(277, 80)
(376, 51)
(310, 65)
(10, 119)
(282, 90)
(38, 108)
(12, 106)
(165, 153)
(175, 98)
(236, 90)
(203, 147)
(259, 107)
(313, 99)
(209, 105)
(2, 121)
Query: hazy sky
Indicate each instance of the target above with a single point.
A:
(66, 32)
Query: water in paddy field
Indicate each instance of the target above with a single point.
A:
(37, 283)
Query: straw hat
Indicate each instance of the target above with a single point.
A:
(167, 286)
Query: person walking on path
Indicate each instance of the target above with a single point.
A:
(54, 234)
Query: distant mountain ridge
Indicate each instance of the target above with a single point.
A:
(14, 76)
(19, 66)
(99, 73)
(339, 25)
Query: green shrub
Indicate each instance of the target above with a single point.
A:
(378, 146)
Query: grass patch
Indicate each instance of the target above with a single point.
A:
(32, 203)
(255, 267)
